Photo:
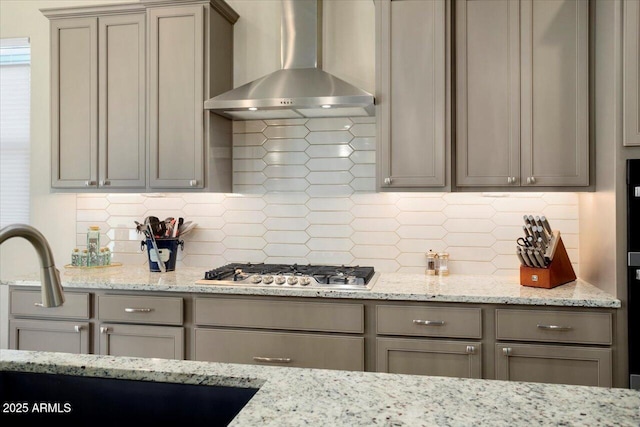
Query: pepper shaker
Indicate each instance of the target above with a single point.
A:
(432, 259)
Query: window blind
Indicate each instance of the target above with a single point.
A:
(15, 90)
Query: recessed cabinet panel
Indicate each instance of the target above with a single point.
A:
(176, 94)
(425, 357)
(488, 92)
(74, 110)
(631, 71)
(412, 87)
(122, 101)
(165, 342)
(44, 335)
(554, 364)
(555, 92)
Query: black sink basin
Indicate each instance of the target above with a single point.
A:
(103, 401)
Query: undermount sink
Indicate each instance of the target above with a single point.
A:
(108, 401)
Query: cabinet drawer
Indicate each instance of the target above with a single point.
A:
(281, 349)
(300, 316)
(429, 321)
(140, 309)
(25, 303)
(554, 326)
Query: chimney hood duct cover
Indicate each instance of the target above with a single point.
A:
(300, 89)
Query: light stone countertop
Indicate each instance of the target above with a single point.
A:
(296, 396)
(388, 286)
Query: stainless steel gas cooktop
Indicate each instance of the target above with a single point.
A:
(303, 276)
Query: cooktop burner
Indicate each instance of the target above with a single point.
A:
(313, 276)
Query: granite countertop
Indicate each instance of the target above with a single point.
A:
(296, 396)
(388, 286)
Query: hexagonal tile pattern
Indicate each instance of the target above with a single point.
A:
(304, 191)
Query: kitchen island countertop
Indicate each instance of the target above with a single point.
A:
(295, 396)
(388, 286)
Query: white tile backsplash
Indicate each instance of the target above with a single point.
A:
(304, 192)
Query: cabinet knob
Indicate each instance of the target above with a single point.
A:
(388, 181)
(193, 183)
(531, 180)
(104, 330)
(507, 351)
(509, 180)
(89, 183)
(105, 182)
(471, 349)
(77, 328)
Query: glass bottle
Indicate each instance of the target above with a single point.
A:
(431, 263)
(443, 264)
(107, 256)
(93, 245)
(75, 257)
(84, 258)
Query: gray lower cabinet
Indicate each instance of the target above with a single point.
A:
(165, 342)
(554, 364)
(522, 101)
(411, 94)
(48, 335)
(280, 348)
(631, 70)
(429, 357)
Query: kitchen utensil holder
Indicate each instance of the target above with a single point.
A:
(559, 271)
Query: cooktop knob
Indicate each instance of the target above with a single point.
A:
(256, 278)
(304, 281)
(292, 280)
(280, 280)
(267, 280)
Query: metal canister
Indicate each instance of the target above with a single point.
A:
(432, 260)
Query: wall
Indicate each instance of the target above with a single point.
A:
(304, 193)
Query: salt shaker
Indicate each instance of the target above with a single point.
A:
(443, 264)
(432, 259)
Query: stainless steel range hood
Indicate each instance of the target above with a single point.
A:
(301, 88)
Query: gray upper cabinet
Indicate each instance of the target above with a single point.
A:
(98, 102)
(74, 108)
(631, 41)
(522, 93)
(122, 112)
(176, 97)
(128, 85)
(411, 93)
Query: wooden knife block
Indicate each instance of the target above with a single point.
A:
(559, 271)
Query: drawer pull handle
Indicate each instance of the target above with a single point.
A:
(38, 304)
(429, 322)
(272, 359)
(553, 327)
(138, 310)
(104, 330)
(77, 328)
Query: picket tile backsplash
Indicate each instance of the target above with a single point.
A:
(304, 192)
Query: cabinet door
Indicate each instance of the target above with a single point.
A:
(555, 92)
(631, 72)
(281, 349)
(165, 342)
(45, 335)
(411, 85)
(122, 101)
(425, 357)
(74, 103)
(554, 364)
(487, 93)
(176, 97)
